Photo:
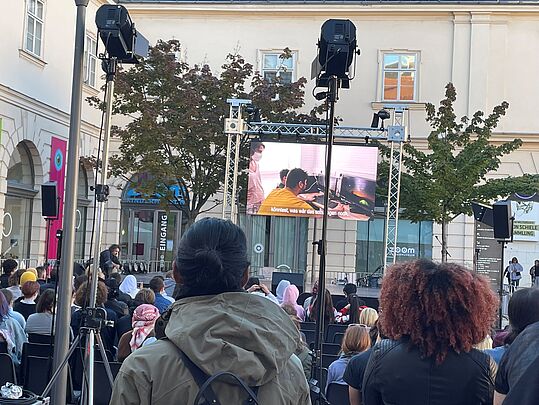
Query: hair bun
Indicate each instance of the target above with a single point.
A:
(211, 260)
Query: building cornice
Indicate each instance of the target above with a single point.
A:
(13, 97)
(327, 10)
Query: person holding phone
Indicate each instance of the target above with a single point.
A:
(253, 286)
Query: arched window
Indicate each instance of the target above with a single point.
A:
(18, 205)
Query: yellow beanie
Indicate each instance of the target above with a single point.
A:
(27, 276)
(32, 270)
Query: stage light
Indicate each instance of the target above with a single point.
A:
(253, 114)
(336, 49)
(380, 115)
(118, 33)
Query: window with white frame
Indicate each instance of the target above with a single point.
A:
(90, 61)
(275, 67)
(34, 26)
(399, 76)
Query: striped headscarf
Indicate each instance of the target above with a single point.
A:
(143, 322)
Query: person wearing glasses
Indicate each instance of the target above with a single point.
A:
(433, 315)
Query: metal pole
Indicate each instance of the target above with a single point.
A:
(63, 310)
(101, 196)
(322, 243)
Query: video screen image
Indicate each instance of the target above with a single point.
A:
(288, 179)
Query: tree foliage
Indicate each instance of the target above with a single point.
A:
(176, 114)
(440, 183)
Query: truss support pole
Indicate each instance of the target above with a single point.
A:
(233, 130)
(396, 135)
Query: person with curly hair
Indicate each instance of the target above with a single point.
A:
(82, 299)
(433, 315)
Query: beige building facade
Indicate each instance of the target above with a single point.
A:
(409, 52)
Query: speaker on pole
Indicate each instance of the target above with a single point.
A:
(49, 200)
(502, 219)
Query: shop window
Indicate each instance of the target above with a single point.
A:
(414, 240)
(83, 202)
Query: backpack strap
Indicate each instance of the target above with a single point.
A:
(204, 381)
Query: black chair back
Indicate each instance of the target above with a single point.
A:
(307, 326)
(309, 336)
(338, 338)
(77, 364)
(332, 329)
(3, 347)
(38, 374)
(37, 338)
(331, 348)
(102, 388)
(327, 359)
(7, 369)
(337, 394)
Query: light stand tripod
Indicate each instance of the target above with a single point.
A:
(93, 319)
(332, 96)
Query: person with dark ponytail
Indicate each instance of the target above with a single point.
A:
(219, 327)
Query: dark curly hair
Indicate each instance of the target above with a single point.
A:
(438, 307)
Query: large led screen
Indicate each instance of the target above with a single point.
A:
(288, 179)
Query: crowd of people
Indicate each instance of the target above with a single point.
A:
(27, 306)
(434, 340)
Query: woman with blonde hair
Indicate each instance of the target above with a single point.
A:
(368, 317)
(356, 340)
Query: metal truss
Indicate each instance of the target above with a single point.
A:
(395, 134)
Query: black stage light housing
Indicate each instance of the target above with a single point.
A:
(336, 49)
(118, 33)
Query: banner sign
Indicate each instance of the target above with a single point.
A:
(57, 174)
(526, 222)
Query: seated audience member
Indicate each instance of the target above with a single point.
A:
(157, 285)
(281, 288)
(9, 267)
(76, 284)
(112, 301)
(368, 316)
(40, 323)
(355, 369)
(27, 306)
(254, 286)
(240, 332)
(356, 340)
(51, 283)
(129, 286)
(143, 323)
(144, 296)
(290, 297)
(350, 313)
(15, 282)
(517, 380)
(170, 284)
(11, 313)
(82, 298)
(348, 289)
(433, 314)
(309, 300)
(41, 275)
(329, 312)
(11, 332)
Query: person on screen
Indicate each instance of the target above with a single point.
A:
(255, 191)
(282, 175)
(287, 197)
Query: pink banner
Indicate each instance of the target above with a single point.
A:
(57, 174)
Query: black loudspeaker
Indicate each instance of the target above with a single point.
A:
(502, 219)
(49, 200)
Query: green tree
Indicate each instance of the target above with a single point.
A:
(176, 114)
(441, 183)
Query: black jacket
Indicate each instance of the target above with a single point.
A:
(398, 375)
